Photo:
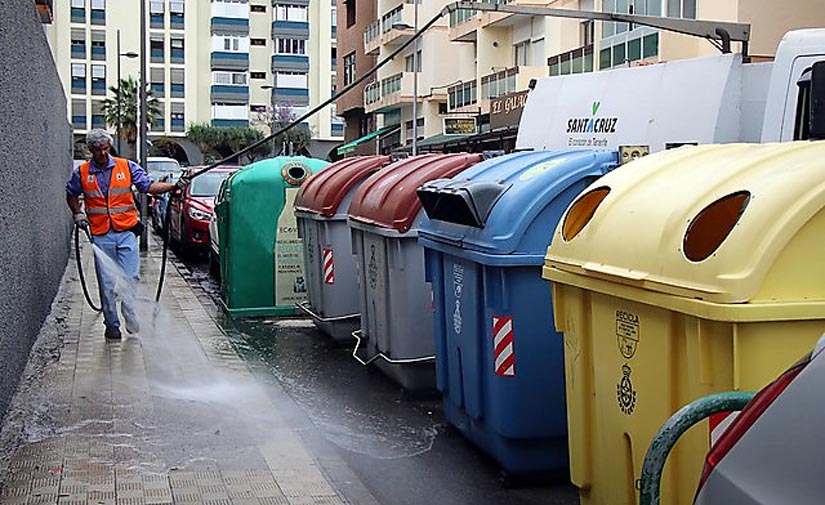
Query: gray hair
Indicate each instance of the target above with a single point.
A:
(97, 138)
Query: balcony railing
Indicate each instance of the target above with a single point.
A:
(461, 16)
(499, 83)
(462, 95)
(574, 61)
(373, 31)
(391, 84)
(372, 93)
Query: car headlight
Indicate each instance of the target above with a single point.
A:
(199, 214)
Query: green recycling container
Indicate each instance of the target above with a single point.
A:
(261, 256)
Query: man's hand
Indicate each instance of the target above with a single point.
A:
(81, 220)
(183, 182)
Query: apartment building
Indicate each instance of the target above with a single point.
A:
(487, 60)
(354, 16)
(417, 79)
(223, 62)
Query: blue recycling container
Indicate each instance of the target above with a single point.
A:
(499, 362)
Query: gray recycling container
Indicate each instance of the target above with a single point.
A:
(396, 302)
(321, 211)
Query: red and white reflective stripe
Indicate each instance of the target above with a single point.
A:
(503, 352)
(718, 423)
(329, 267)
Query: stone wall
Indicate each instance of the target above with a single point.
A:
(35, 161)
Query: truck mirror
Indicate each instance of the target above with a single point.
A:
(817, 101)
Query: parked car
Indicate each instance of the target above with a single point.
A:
(214, 238)
(159, 167)
(159, 203)
(190, 214)
(772, 451)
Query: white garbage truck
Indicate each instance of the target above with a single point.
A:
(718, 99)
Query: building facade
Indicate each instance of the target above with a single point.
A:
(224, 62)
(473, 59)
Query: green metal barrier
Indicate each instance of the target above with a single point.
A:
(673, 428)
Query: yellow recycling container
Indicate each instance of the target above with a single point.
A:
(684, 273)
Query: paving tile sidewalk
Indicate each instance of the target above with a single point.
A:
(171, 415)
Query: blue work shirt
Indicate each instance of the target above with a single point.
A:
(140, 178)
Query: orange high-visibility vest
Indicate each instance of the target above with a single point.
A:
(119, 212)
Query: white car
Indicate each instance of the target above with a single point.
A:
(214, 247)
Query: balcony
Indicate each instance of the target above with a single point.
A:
(230, 94)
(389, 93)
(462, 96)
(381, 32)
(507, 81)
(222, 60)
(290, 63)
(78, 51)
(575, 61)
(230, 26)
(464, 24)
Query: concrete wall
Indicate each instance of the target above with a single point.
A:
(35, 161)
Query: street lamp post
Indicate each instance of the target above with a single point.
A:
(144, 146)
(130, 55)
(271, 123)
(415, 84)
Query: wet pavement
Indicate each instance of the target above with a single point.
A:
(200, 409)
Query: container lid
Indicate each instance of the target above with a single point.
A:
(721, 223)
(323, 193)
(281, 171)
(506, 205)
(388, 199)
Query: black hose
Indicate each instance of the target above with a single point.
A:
(80, 268)
(165, 235)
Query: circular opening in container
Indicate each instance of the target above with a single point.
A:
(581, 212)
(295, 173)
(713, 224)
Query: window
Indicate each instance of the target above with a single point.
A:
(176, 50)
(78, 4)
(521, 53)
(156, 14)
(290, 12)
(257, 75)
(681, 8)
(230, 43)
(98, 45)
(78, 38)
(78, 77)
(229, 78)
(334, 17)
(176, 78)
(537, 50)
(79, 113)
(98, 79)
(176, 15)
(257, 42)
(257, 109)
(349, 68)
(291, 80)
(98, 12)
(291, 46)
(156, 49)
(587, 32)
(177, 116)
(409, 65)
(257, 8)
(350, 6)
(98, 118)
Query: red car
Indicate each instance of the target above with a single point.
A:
(190, 214)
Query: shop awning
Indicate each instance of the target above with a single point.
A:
(351, 146)
(441, 139)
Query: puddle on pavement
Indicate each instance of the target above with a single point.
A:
(355, 407)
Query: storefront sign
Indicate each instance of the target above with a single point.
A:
(506, 110)
(459, 126)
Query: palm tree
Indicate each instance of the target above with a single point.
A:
(126, 94)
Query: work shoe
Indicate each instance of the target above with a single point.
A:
(132, 325)
(112, 333)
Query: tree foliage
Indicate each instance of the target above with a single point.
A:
(219, 142)
(126, 94)
(276, 118)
